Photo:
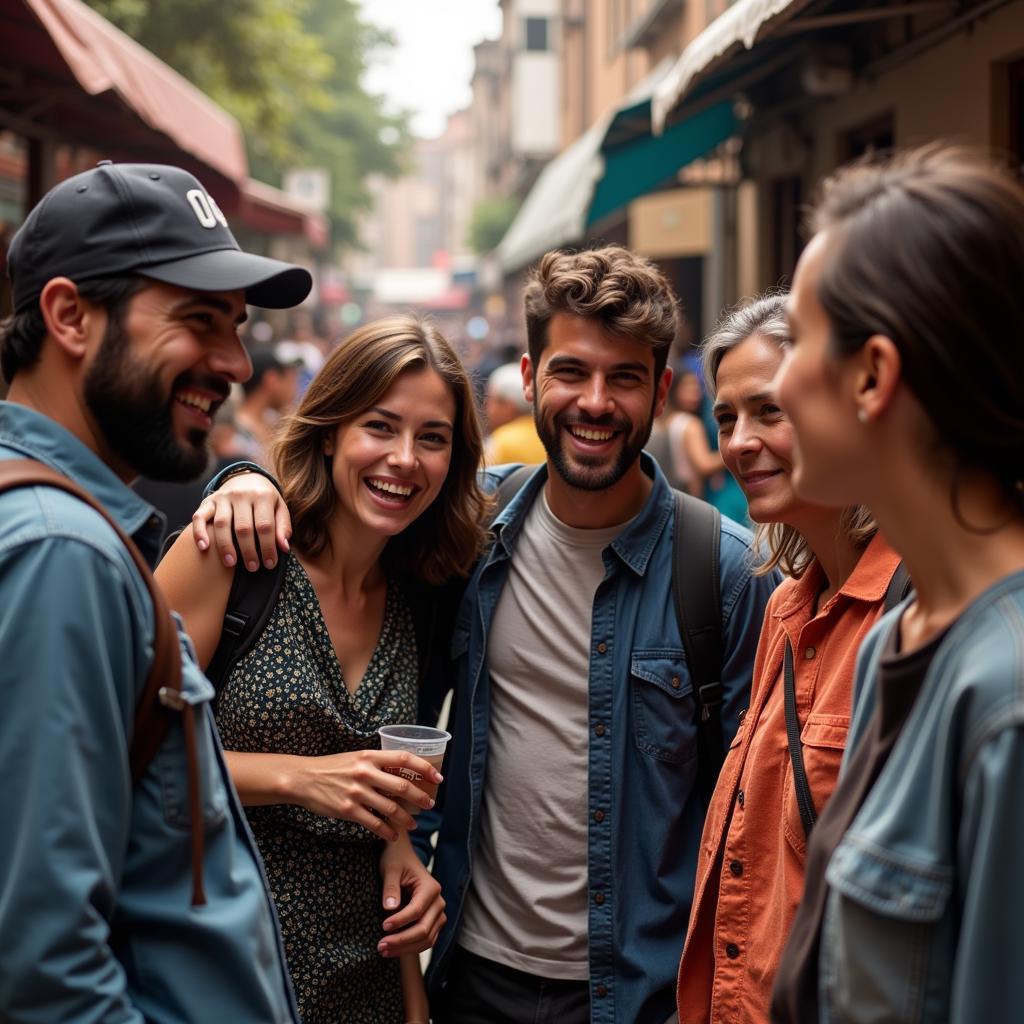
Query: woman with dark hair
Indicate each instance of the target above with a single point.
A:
(905, 387)
(750, 869)
(378, 472)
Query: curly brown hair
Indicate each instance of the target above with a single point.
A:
(628, 294)
(446, 539)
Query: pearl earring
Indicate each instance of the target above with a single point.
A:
(862, 416)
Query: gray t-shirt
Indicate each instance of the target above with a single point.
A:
(527, 904)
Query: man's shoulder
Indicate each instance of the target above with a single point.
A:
(30, 515)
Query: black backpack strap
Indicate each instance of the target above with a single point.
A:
(509, 488)
(252, 599)
(696, 594)
(808, 815)
(899, 587)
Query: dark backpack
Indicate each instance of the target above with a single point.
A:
(696, 594)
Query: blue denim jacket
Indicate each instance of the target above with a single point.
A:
(642, 742)
(923, 917)
(95, 915)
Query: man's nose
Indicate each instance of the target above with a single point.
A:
(596, 399)
(229, 358)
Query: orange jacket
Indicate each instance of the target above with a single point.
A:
(750, 868)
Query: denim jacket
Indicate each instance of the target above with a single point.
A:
(95, 917)
(642, 748)
(922, 921)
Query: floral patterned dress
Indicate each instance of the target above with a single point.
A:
(287, 695)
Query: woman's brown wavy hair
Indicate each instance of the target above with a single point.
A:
(445, 540)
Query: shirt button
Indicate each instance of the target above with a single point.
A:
(736, 867)
(601, 991)
(599, 898)
(732, 951)
(599, 816)
(599, 729)
(741, 797)
(675, 683)
(810, 653)
(602, 647)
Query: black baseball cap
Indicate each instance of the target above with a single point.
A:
(148, 219)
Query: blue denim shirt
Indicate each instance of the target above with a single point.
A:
(642, 742)
(95, 915)
(922, 920)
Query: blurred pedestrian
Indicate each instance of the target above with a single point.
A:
(905, 388)
(678, 441)
(131, 886)
(268, 394)
(512, 433)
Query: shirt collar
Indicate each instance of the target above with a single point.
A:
(868, 581)
(634, 545)
(35, 436)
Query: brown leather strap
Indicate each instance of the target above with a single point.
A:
(161, 695)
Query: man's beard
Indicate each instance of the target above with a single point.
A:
(574, 470)
(134, 413)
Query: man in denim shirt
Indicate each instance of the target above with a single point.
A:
(128, 292)
(571, 817)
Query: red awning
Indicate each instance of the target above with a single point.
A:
(269, 210)
(63, 48)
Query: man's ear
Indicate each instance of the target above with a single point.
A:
(526, 367)
(879, 372)
(68, 317)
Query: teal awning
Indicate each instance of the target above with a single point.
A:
(615, 161)
(632, 169)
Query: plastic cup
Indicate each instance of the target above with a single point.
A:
(421, 740)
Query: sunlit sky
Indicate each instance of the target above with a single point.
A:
(428, 71)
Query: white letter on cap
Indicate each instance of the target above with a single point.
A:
(201, 205)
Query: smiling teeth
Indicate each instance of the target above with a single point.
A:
(593, 435)
(388, 488)
(187, 398)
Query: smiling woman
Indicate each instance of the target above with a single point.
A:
(378, 469)
(839, 571)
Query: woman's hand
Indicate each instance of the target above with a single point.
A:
(416, 926)
(249, 508)
(355, 785)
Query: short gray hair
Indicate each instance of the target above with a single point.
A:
(507, 382)
(764, 316)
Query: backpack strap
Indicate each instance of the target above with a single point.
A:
(509, 488)
(251, 600)
(696, 594)
(899, 587)
(804, 803)
(161, 695)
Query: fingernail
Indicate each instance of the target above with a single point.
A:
(383, 950)
(430, 804)
(229, 560)
(438, 777)
(390, 903)
(269, 563)
(202, 544)
(252, 565)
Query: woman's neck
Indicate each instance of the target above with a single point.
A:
(831, 546)
(350, 563)
(952, 556)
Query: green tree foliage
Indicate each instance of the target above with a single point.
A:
(291, 72)
(490, 220)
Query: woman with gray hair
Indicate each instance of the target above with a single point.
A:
(784, 762)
